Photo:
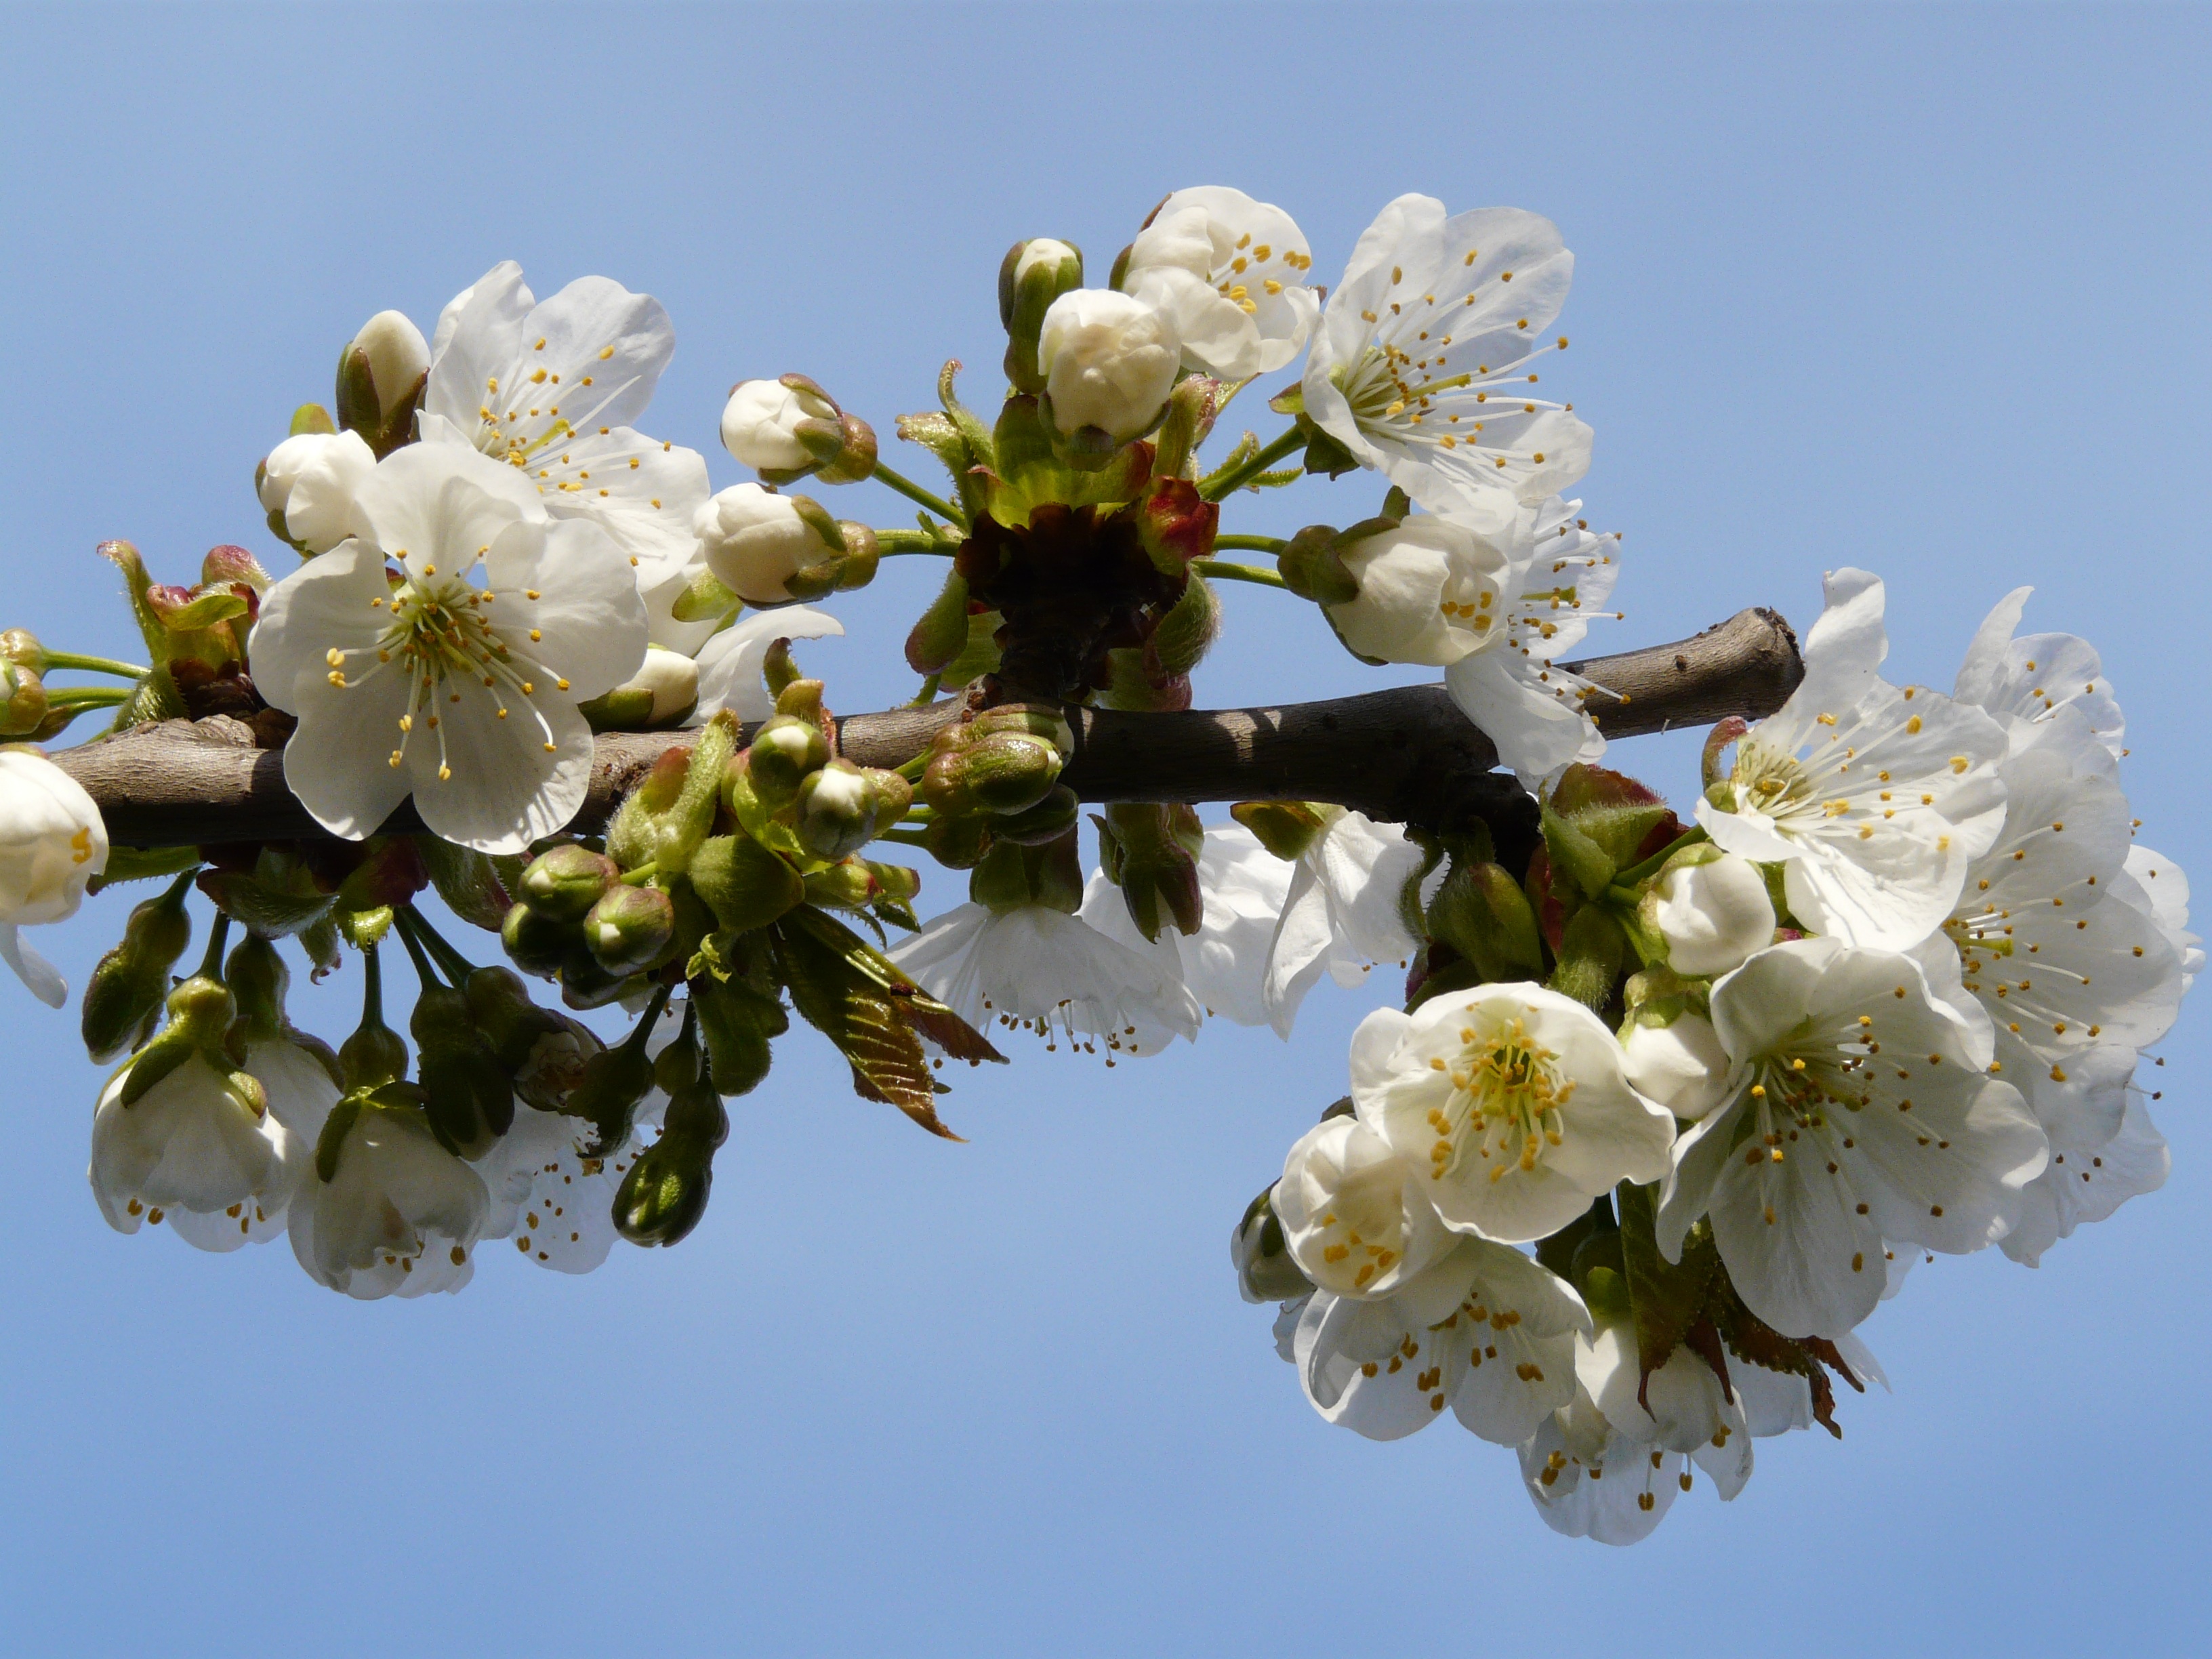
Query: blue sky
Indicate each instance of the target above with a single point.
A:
(1922, 289)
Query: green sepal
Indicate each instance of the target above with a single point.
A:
(704, 600)
(312, 417)
(1575, 855)
(363, 928)
(336, 1128)
(1290, 400)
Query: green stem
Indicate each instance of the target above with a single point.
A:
(892, 542)
(643, 874)
(218, 936)
(914, 492)
(415, 954)
(1221, 571)
(372, 988)
(95, 665)
(903, 837)
(89, 696)
(1251, 544)
(927, 694)
(1223, 483)
(651, 1017)
(457, 967)
(1623, 885)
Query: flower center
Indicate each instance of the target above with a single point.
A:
(1365, 1226)
(442, 640)
(1506, 1103)
(1769, 781)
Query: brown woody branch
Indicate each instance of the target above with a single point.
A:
(1403, 755)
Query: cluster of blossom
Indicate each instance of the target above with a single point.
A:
(1669, 1108)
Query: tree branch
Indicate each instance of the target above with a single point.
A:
(1404, 756)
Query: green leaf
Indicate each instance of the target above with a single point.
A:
(1583, 861)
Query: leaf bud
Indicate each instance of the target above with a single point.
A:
(629, 928)
(1033, 275)
(742, 882)
(564, 881)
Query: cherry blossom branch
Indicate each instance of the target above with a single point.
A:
(1404, 755)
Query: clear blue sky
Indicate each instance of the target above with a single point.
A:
(1921, 290)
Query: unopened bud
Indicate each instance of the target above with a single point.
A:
(663, 1196)
(396, 357)
(789, 429)
(783, 754)
(1712, 910)
(959, 843)
(564, 881)
(1047, 821)
(1002, 772)
(835, 810)
(1264, 1269)
(1155, 851)
(743, 884)
(1031, 277)
(22, 700)
(665, 689)
(628, 928)
(537, 943)
(307, 487)
(374, 1055)
(469, 1098)
(757, 543)
(504, 1012)
(20, 647)
(1680, 1063)
(607, 1094)
(127, 988)
(1107, 362)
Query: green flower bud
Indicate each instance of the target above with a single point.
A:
(127, 988)
(737, 1022)
(469, 1098)
(22, 700)
(512, 1023)
(664, 1195)
(1050, 819)
(783, 753)
(259, 978)
(742, 882)
(613, 1084)
(564, 881)
(1000, 772)
(20, 647)
(958, 843)
(374, 1055)
(629, 928)
(1031, 276)
(835, 810)
(1265, 1270)
(537, 943)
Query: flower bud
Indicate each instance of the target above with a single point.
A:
(1681, 1064)
(959, 843)
(835, 809)
(1151, 851)
(783, 753)
(127, 988)
(468, 1098)
(1431, 591)
(382, 375)
(537, 943)
(664, 1193)
(608, 1092)
(307, 487)
(1000, 772)
(374, 1055)
(512, 1023)
(756, 543)
(628, 928)
(737, 1022)
(22, 700)
(786, 429)
(1712, 911)
(20, 647)
(564, 881)
(743, 884)
(1108, 363)
(665, 689)
(1032, 277)
(1264, 1269)
(1047, 821)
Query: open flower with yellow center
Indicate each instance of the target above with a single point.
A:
(441, 652)
(1511, 1102)
(551, 388)
(1873, 799)
(1234, 273)
(1860, 1108)
(1425, 362)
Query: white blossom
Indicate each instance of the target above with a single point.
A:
(1109, 361)
(52, 843)
(551, 389)
(1354, 1216)
(1224, 964)
(1421, 365)
(1341, 913)
(398, 1215)
(555, 1203)
(2085, 1185)
(754, 541)
(1483, 1329)
(759, 421)
(476, 687)
(1713, 914)
(1859, 1110)
(190, 1143)
(1232, 273)
(1513, 1102)
(301, 1090)
(1681, 1065)
(2024, 682)
(1033, 968)
(730, 663)
(1875, 799)
(310, 478)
